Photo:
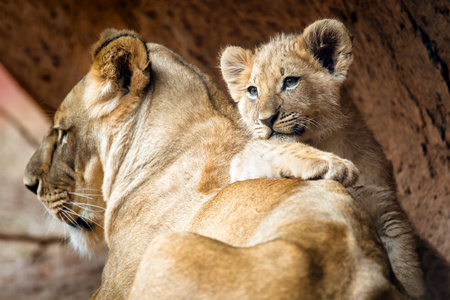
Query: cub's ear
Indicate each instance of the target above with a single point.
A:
(121, 65)
(236, 65)
(330, 43)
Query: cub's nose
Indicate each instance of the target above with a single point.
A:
(31, 183)
(270, 120)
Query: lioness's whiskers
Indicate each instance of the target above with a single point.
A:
(81, 195)
(64, 227)
(77, 214)
(69, 217)
(90, 204)
(45, 211)
(87, 189)
(84, 208)
(50, 227)
(46, 208)
(84, 195)
(87, 206)
(86, 219)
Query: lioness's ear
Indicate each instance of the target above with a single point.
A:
(120, 65)
(330, 43)
(236, 66)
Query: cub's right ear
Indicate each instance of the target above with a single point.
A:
(236, 65)
(121, 66)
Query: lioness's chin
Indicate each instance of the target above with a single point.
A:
(86, 240)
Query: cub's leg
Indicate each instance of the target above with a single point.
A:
(268, 159)
(396, 233)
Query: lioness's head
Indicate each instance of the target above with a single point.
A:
(289, 88)
(67, 171)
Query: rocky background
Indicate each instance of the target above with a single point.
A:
(399, 80)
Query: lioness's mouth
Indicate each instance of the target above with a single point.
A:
(81, 223)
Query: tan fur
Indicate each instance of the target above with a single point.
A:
(155, 137)
(317, 111)
(260, 159)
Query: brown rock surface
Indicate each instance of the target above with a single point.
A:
(399, 80)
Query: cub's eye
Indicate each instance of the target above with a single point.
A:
(290, 82)
(252, 92)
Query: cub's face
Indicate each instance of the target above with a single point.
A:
(289, 89)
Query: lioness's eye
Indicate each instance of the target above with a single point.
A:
(252, 92)
(62, 136)
(290, 82)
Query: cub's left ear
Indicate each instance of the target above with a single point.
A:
(236, 65)
(330, 43)
(121, 64)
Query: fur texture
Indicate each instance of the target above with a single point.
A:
(155, 138)
(290, 89)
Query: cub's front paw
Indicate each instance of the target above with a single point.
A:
(327, 166)
(341, 170)
(270, 159)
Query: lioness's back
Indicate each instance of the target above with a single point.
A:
(271, 239)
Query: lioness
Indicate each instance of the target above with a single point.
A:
(290, 89)
(154, 137)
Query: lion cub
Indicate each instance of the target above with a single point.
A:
(290, 89)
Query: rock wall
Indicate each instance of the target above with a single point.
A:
(399, 79)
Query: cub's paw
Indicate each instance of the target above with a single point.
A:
(270, 159)
(341, 170)
(328, 166)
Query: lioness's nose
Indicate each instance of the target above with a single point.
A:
(270, 120)
(31, 183)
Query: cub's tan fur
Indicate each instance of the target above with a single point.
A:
(290, 89)
(155, 137)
